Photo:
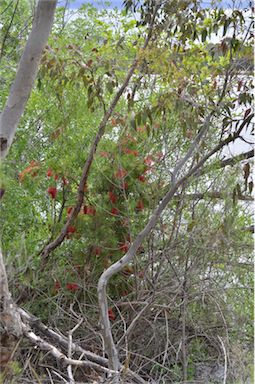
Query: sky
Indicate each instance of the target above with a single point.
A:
(118, 3)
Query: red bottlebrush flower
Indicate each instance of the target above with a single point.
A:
(114, 211)
(140, 205)
(148, 160)
(49, 173)
(57, 285)
(89, 210)
(112, 197)
(56, 177)
(130, 152)
(52, 191)
(98, 251)
(65, 181)
(69, 210)
(113, 122)
(124, 247)
(121, 173)
(72, 287)
(71, 229)
(111, 314)
(30, 170)
(142, 178)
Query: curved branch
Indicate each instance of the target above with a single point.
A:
(117, 267)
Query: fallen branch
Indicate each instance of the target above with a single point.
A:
(98, 363)
(45, 346)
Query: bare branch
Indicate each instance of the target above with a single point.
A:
(44, 345)
(116, 267)
(210, 195)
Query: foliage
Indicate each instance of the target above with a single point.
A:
(194, 268)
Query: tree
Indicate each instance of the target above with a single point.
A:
(116, 155)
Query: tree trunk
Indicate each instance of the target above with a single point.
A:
(10, 321)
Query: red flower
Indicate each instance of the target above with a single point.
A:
(114, 211)
(71, 229)
(72, 287)
(52, 191)
(98, 251)
(89, 210)
(121, 173)
(30, 170)
(56, 177)
(49, 173)
(65, 181)
(57, 285)
(124, 247)
(148, 160)
(69, 210)
(130, 151)
(142, 178)
(111, 314)
(140, 205)
(112, 197)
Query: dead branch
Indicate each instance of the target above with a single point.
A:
(64, 342)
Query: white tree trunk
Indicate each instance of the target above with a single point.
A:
(10, 322)
(26, 73)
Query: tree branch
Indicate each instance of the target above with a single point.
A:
(63, 342)
(101, 129)
(117, 267)
(210, 195)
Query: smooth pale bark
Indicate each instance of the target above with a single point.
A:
(26, 73)
(10, 322)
